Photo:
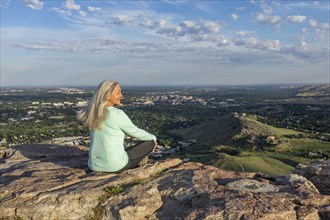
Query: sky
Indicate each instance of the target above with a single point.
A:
(164, 42)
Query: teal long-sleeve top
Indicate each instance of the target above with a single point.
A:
(107, 152)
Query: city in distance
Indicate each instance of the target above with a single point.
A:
(264, 128)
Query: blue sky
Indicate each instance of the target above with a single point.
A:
(71, 42)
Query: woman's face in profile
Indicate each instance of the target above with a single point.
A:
(115, 96)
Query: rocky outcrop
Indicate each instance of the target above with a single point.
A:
(318, 173)
(53, 182)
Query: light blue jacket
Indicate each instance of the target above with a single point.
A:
(107, 152)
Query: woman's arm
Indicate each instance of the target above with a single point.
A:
(129, 128)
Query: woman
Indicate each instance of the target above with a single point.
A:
(108, 126)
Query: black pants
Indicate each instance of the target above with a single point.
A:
(136, 153)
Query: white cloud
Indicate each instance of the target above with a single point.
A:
(83, 13)
(122, 20)
(271, 45)
(94, 9)
(202, 30)
(321, 30)
(296, 18)
(188, 27)
(234, 16)
(267, 10)
(312, 22)
(71, 5)
(268, 19)
(240, 33)
(222, 41)
(210, 26)
(147, 23)
(319, 6)
(34, 4)
(222, 53)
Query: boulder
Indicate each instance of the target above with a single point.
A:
(318, 172)
(53, 182)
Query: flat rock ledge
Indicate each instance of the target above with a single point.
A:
(40, 181)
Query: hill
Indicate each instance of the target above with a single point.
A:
(237, 130)
(242, 143)
(322, 90)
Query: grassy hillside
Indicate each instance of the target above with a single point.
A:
(243, 132)
(242, 144)
(212, 132)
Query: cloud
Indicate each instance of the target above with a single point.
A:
(197, 31)
(122, 20)
(94, 9)
(71, 5)
(268, 19)
(220, 40)
(234, 16)
(83, 13)
(301, 52)
(316, 5)
(210, 26)
(66, 10)
(320, 30)
(188, 27)
(236, 52)
(34, 4)
(313, 23)
(267, 10)
(271, 45)
(240, 33)
(296, 18)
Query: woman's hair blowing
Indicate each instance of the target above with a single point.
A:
(95, 112)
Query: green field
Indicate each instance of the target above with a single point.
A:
(309, 145)
(279, 132)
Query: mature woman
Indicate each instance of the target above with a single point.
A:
(108, 126)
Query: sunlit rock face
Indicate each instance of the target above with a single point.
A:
(53, 182)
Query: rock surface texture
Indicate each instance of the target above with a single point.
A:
(53, 182)
(318, 173)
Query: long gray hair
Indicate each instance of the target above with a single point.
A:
(94, 113)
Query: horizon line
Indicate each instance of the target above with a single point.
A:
(163, 85)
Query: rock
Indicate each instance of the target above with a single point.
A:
(318, 173)
(53, 182)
